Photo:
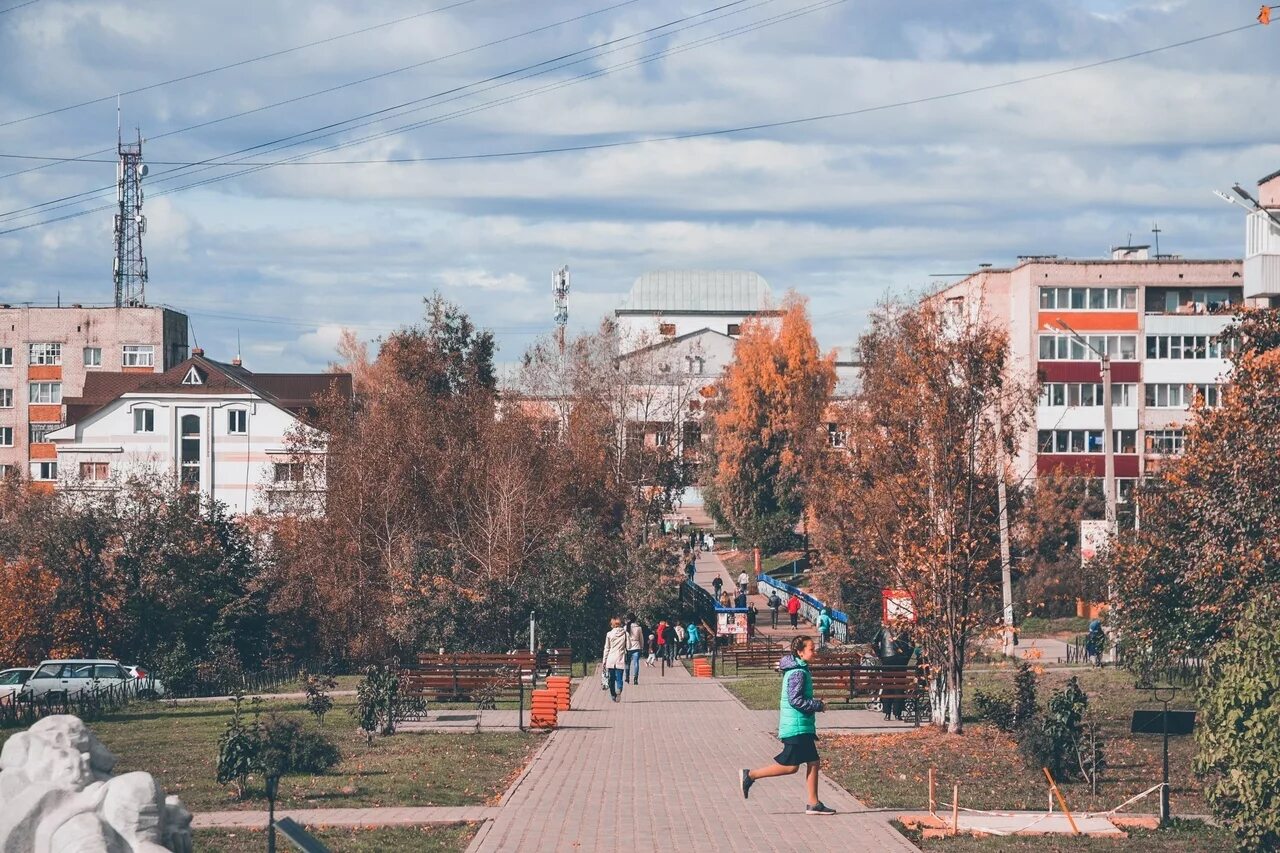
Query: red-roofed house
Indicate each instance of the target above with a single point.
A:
(213, 426)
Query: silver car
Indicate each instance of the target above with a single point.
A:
(11, 680)
(66, 678)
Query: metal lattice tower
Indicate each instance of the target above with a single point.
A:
(130, 225)
(560, 289)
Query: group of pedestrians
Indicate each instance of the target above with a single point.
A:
(630, 640)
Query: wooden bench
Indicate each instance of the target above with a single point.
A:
(756, 657)
(556, 661)
(482, 682)
(852, 684)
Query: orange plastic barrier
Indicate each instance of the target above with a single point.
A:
(701, 668)
(559, 686)
(542, 710)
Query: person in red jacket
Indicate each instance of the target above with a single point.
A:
(660, 633)
(793, 609)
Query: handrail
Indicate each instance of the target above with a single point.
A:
(810, 607)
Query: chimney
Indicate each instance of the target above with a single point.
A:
(236, 361)
(198, 351)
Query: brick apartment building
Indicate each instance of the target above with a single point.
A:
(1159, 318)
(45, 355)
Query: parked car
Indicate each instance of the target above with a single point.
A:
(148, 685)
(11, 680)
(66, 678)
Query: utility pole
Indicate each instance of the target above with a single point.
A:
(1108, 438)
(1006, 567)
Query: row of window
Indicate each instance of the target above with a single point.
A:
(144, 420)
(282, 472)
(1159, 395)
(131, 355)
(1089, 298)
(1164, 442)
(1066, 347)
(1085, 440)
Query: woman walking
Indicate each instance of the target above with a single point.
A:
(614, 658)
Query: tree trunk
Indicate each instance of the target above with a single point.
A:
(955, 690)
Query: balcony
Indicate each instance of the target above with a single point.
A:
(1262, 254)
(1185, 301)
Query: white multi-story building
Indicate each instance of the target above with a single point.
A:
(214, 427)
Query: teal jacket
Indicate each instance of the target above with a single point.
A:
(796, 706)
(824, 622)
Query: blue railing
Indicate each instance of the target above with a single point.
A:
(810, 607)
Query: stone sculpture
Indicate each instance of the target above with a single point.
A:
(57, 795)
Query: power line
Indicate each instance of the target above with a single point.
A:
(19, 6)
(719, 131)
(85, 158)
(230, 65)
(591, 52)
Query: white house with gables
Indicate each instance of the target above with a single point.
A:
(213, 426)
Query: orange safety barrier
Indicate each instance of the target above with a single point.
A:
(701, 668)
(542, 710)
(559, 685)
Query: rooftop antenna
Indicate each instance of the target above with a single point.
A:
(1155, 229)
(560, 291)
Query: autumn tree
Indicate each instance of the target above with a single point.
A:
(766, 434)
(1045, 530)
(1209, 540)
(913, 506)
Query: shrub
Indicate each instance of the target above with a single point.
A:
(376, 699)
(318, 700)
(995, 708)
(288, 747)
(1063, 739)
(238, 747)
(1239, 731)
(1009, 713)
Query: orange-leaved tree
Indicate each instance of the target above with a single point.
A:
(766, 435)
(914, 506)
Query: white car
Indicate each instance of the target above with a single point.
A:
(66, 678)
(11, 680)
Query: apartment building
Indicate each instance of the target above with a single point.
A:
(214, 427)
(1158, 317)
(47, 352)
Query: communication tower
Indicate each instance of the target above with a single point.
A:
(560, 290)
(130, 225)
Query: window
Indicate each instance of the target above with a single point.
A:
(6, 436)
(6, 398)
(238, 422)
(189, 451)
(44, 470)
(1165, 442)
(735, 329)
(836, 437)
(1084, 441)
(1089, 298)
(137, 355)
(1086, 394)
(45, 392)
(667, 329)
(5, 470)
(39, 433)
(6, 356)
(287, 472)
(144, 420)
(97, 471)
(1186, 347)
(44, 353)
(93, 356)
(695, 363)
(1064, 347)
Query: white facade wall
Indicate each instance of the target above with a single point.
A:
(237, 470)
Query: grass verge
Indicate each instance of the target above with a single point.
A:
(179, 745)
(436, 838)
(1182, 836)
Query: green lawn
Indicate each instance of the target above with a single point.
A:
(1061, 626)
(178, 744)
(891, 770)
(1189, 836)
(448, 838)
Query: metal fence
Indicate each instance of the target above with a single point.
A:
(810, 607)
(1143, 662)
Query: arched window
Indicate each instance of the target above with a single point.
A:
(189, 451)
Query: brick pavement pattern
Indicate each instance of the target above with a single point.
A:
(659, 771)
(384, 816)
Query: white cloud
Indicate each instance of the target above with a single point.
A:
(478, 279)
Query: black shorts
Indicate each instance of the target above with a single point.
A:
(797, 750)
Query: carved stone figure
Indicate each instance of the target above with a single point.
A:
(57, 795)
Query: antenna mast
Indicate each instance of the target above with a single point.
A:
(560, 290)
(130, 269)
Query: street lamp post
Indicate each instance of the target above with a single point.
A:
(1108, 436)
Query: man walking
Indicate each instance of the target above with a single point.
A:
(797, 728)
(669, 643)
(793, 610)
(775, 604)
(635, 645)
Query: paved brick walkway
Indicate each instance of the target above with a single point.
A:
(392, 816)
(658, 771)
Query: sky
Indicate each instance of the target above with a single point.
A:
(846, 211)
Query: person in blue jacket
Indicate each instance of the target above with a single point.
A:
(692, 638)
(797, 727)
